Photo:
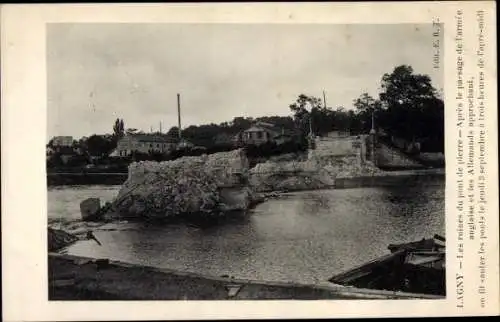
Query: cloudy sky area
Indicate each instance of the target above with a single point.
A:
(100, 72)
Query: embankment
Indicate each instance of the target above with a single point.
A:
(391, 179)
(79, 278)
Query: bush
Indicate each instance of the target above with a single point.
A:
(54, 161)
(77, 161)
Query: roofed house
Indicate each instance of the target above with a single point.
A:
(62, 141)
(144, 143)
(261, 132)
(184, 144)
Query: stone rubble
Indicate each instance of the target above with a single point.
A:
(90, 208)
(188, 185)
(210, 185)
(315, 173)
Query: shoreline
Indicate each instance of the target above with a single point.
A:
(55, 179)
(83, 278)
(86, 278)
(68, 179)
(409, 178)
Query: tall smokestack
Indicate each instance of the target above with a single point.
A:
(179, 113)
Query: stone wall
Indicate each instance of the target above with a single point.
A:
(389, 157)
(338, 146)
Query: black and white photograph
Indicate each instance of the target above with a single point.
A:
(245, 161)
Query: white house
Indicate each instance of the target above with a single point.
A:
(59, 141)
(144, 143)
(260, 133)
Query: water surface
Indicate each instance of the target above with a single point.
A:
(303, 237)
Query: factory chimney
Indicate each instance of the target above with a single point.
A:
(179, 114)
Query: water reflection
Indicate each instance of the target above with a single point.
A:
(305, 236)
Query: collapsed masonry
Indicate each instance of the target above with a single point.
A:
(211, 185)
(207, 185)
(314, 173)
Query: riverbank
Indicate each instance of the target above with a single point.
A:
(391, 179)
(81, 278)
(379, 179)
(387, 178)
(85, 178)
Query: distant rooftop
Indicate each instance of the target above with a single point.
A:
(259, 126)
(275, 130)
(164, 138)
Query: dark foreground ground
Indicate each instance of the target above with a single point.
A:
(78, 278)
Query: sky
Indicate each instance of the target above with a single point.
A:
(99, 72)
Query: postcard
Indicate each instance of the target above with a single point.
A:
(249, 160)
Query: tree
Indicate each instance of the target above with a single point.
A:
(285, 122)
(240, 124)
(366, 105)
(403, 88)
(98, 145)
(365, 102)
(173, 132)
(412, 109)
(341, 120)
(306, 109)
(54, 161)
(118, 129)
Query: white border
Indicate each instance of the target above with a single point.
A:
(23, 164)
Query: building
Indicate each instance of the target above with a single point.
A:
(184, 144)
(144, 143)
(60, 141)
(258, 134)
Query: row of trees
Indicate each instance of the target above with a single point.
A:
(81, 151)
(408, 107)
(210, 135)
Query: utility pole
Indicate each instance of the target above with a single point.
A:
(324, 99)
(311, 135)
(160, 127)
(310, 125)
(310, 121)
(179, 114)
(373, 138)
(372, 131)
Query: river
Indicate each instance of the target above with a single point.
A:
(302, 237)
